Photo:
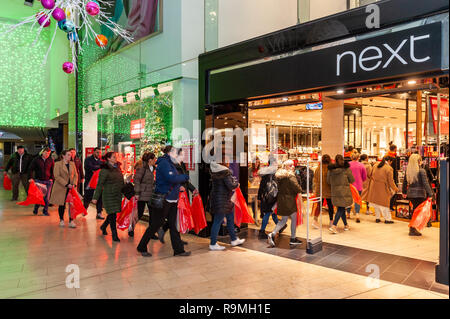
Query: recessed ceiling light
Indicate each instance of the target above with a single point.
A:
(340, 91)
(285, 99)
(412, 82)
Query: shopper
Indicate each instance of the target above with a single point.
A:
(92, 164)
(288, 189)
(253, 170)
(348, 153)
(381, 187)
(109, 187)
(168, 184)
(79, 165)
(185, 187)
(359, 173)
(364, 159)
(18, 163)
(66, 178)
(340, 177)
(41, 170)
(266, 195)
(395, 162)
(223, 186)
(416, 186)
(144, 184)
(326, 190)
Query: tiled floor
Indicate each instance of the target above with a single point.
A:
(35, 251)
(386, 238)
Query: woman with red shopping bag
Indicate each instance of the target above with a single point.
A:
(288, 189)
(223, 187)
(66, 178)
(416, 187)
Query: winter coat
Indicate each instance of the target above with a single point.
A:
(326, 188)
(144, 182)
(91, 164)
(340, 179)
(40, 169)
(79, 166)
(109, 186)
(381, 186)
(181, 168)
(368, 167)
(267, 173)
(288, 188)
(302, 177)
(222, 189)
(168, 180)
(63, 178)
(420, 188)
(14, 163)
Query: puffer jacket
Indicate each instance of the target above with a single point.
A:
(222, 189)
(109, 186)
(340, 179)
(288, 188)
(144, 182)
(420, 188)
(266, 173)
(168, 180)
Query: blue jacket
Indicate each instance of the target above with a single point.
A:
(168, 178)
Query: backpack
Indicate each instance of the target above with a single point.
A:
(271, 191)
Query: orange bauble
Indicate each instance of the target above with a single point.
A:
(101, 40)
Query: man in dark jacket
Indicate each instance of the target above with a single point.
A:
(92, 164)
(168, 184)
(79, 167)
(19, 163)
(41, 170)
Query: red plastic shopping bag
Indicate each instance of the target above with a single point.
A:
(76, 206)
(241, 213)
(355, 194)
(198, 214)
(35, 195)
(7, 185)
(184, 214)
(94, 180)
(421, 215)
(123, 218)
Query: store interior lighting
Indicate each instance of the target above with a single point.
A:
(340, 91)
(412, 82)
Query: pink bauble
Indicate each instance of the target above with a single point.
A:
(48, 4)
(67, 67)
(92, 8)
(44, 20)
(58, 14)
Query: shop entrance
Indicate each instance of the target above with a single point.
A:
(375, 117)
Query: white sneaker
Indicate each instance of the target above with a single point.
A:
(315, 225)
(72, 224)
(216, 247)
(61, 223)
(237, 242)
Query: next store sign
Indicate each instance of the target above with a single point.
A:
(402, 53)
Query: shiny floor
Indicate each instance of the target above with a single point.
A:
(35, 252)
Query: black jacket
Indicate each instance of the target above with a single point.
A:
(14, 163)
(266, 173)
(223, 186)
(181, 168)
(43, 170)
(91, 164)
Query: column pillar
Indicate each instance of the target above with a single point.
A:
(419, 118)
(332, 126)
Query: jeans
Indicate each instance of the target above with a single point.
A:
(48, 185)
(284, 221)
(266, 218)
(340, 214)
(357, 207)
(218, 219)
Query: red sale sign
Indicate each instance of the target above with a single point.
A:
(444, 114)
(137, 128)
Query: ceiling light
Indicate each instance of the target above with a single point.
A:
(412, 82)
(340, 91)
(285, 99)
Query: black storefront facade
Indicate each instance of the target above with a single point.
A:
(335, 52)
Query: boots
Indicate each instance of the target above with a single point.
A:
(262, 235)
(414, 232)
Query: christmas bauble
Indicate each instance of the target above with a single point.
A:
(67, 67)
(92, 8)
(58, 14)
(48, 4)
(44, 20)
(66, 25)
(101, 40)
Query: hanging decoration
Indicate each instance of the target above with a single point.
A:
(74, 17)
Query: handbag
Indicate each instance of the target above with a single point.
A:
(157, 200)
(128, 190)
